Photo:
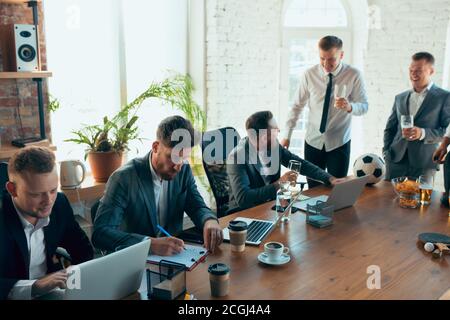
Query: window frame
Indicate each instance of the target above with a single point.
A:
(291, 33)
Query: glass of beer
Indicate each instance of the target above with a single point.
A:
(406, 122)
(426, 184)
(339, 92)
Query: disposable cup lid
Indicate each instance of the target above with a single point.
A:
(218, 269)
(238, 225)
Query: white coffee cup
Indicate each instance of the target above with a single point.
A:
(70, 175)
(274, 250)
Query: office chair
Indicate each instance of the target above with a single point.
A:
(3, 176)
(215, 164)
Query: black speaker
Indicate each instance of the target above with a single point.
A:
(19, 47)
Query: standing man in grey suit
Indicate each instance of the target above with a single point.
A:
(254, 166)
(409, 152)
(155, 190)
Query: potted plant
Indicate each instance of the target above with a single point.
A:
(107, 142)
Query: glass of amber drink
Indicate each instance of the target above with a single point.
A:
(426, 184)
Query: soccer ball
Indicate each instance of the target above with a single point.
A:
(370, 164)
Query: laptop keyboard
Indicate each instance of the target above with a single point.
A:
(257, 229)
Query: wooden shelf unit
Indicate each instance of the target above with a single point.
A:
(25, 75)
(17, 1)
(7, 151)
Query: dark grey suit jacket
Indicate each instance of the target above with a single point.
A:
(433, 116)
(127, 211)
(248, 187)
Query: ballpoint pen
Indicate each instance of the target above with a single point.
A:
(166, 233)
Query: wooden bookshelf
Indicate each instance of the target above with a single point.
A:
(25, 75)
(17, 1)
(7, 151)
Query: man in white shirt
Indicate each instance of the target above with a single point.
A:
(334, 92)
(408, 151)
(35, 220)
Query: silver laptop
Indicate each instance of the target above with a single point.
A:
(111, 277)
(257, 229)
(342, 196)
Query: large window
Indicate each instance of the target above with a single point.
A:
(317, 13)
(82, 52)
(103, 54)
(156, 44)
(305, 22)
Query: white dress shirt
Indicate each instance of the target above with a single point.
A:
(266, 170)
(415, 102)
(37, 256)
(312, 89)
(447, 132)
(158, 186)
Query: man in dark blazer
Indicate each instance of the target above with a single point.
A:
(408, 152)
(35, 220)
(251, 181)
(440, 157)
(155, 190)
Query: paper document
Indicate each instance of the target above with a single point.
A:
(189, 257)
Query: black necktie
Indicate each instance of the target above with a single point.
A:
(326, 105)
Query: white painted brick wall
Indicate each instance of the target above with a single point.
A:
(243, 38)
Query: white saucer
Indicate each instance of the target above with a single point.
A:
(285, 258)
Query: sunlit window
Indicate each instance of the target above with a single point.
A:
(92, 64)
(82, 53)
(306, 21)
(317, 13)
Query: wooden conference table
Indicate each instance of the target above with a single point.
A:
(332, 263)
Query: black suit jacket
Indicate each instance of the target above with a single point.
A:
(248, 187)
(62, 231)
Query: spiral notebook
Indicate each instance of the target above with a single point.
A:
(190, 257)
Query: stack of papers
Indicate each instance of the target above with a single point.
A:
(190, 257)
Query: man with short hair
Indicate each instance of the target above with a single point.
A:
(328, 134)
(35, 220)
(254, 166)
(153, 191)
(409, 151)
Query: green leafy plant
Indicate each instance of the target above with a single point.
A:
(177, 91)
(115, 134)
(53, 104)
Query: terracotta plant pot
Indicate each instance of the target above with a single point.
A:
(103, 164)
